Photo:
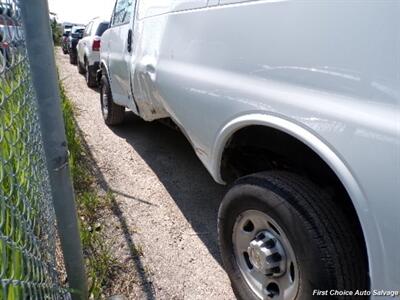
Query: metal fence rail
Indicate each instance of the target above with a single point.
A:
(27, 215)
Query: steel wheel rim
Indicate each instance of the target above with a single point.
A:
(104, 101)
(277, 285)
(87, 72)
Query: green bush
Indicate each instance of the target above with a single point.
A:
(56, 32)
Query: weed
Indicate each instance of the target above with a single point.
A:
(100, 263)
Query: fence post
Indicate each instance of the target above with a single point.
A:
(35, 15)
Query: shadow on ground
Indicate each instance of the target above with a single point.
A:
(172, 158)
(144, 280)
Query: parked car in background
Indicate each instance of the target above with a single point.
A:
(65, 41)
(73, 39)
(5, 56)
(88, 50)
(297, 103)
(68, 26)
(10, 36)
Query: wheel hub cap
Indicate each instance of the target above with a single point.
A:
(267, 254)
(104, 102)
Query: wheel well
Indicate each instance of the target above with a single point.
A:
(102, 70)
(259, 148)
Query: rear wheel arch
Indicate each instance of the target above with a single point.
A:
(313, 145)
(103, 67)
(103, 70)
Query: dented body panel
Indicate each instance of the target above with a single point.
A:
(325, 72)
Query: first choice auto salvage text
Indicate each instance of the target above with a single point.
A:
(382, 293)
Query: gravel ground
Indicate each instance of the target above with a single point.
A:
(166, 203)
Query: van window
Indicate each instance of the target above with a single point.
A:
(122, 12)
(102, 27)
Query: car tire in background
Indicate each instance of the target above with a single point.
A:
(81, 69)
(72, 58)
(282, 237)
(113, 114)
(90, 75)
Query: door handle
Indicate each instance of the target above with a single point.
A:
(129, 46)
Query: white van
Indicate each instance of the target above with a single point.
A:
(297, 105)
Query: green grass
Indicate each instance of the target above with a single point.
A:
(21, 192)
(99, 260)
(19, 180)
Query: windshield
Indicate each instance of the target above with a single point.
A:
(102, 27)
(78, 29)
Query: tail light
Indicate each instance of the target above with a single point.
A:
(96, 45)
(4, 45)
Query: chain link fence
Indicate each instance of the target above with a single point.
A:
(27, 218)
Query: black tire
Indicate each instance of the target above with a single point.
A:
(323, 240)
(114, 114)
(72, 58)
(64, 51)
(90, 75)
(81, 69)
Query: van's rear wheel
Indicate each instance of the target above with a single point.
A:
(113, 114)
(282, 237)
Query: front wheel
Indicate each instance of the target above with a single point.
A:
(113, 114)
(282, 238)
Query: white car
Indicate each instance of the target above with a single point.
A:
(88, 50)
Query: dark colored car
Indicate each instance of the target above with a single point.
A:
(10, 38)
(64, 41)
(4, 54)
(73, 39)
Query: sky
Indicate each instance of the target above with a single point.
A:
(81, 11)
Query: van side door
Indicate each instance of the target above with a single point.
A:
(120, 50)
(222, 2)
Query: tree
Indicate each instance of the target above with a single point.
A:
(56, 31)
